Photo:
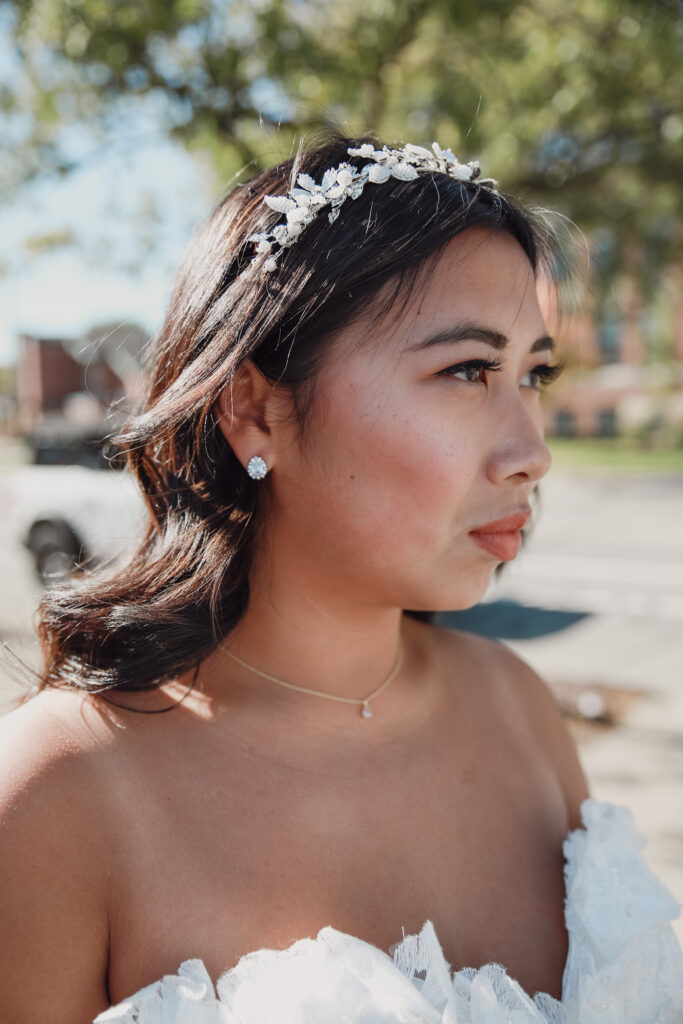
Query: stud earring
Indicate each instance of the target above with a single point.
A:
(256, 467)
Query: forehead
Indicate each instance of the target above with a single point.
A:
(479, 259)
(481, 275)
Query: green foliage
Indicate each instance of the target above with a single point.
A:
(574, 106)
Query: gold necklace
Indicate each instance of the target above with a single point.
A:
(364, 702)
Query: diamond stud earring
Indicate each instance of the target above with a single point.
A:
(256, 467)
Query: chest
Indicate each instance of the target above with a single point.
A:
(218, 865)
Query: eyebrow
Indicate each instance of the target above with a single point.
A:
(469, 330)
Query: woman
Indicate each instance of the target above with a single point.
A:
(344, 405)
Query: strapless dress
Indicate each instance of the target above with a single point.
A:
(624, 963)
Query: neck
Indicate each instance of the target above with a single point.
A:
(316, 647)
(364, 703)
(315, 630)
(330, 658)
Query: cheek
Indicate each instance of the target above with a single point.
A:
(394, 479)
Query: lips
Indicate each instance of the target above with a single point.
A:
(507, 524)
(502, 537)
(504, 546)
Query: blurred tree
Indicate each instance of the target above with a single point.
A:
(575, 106)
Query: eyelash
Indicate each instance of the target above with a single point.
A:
(546, 374)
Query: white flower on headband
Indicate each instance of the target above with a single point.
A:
(303, 203)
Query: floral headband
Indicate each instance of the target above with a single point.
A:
(302, 204)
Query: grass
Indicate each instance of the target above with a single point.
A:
(615, 454)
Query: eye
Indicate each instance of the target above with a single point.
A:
(543, 373)
(472, 366)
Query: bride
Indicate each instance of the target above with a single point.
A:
(253, 757)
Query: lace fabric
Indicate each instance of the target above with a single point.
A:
(624, 962)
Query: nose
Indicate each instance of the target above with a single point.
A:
(519, 448)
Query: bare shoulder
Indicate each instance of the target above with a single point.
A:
(55, 739)
(524, 697)
(55, 843)
(541, 710)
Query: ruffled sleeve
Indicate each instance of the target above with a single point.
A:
(187, 997)
(624, 961)
(339, 979)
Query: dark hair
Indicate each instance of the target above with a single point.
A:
(186, 585)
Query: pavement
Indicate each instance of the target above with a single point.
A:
(605, 564)
(594, 603)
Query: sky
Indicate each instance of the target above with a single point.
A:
(128, 210)
(121, 205)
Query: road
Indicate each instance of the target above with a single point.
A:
(604, 545)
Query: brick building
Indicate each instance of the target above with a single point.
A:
(77, 378)
(625, 371)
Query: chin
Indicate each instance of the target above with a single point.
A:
(452, 598)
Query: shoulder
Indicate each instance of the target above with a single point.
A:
(524, 698)
(542, 712)
(55, 739)
(55, 843)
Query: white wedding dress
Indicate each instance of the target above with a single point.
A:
(624, 964)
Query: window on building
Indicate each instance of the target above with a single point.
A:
(609, 330)
(564, 424)
(606, 423)
(604, 252)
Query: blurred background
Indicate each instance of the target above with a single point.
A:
(122, 123)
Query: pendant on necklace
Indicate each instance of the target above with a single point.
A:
(366, 712)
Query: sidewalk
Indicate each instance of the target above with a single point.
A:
(637, 763)
(640, 764)
(602, 582)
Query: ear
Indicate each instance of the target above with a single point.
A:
(246, 411)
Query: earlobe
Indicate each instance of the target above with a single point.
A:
(241, 415)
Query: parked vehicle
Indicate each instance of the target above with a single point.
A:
(70, 515)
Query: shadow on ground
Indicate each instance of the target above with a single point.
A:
(509, 620)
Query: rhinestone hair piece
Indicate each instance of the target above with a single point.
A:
(303, 203)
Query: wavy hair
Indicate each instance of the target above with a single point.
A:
(185, 585)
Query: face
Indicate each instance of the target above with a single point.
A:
(408, 450)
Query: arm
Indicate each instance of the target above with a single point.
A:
(53, 915)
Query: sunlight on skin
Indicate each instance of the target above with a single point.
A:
(369, 513)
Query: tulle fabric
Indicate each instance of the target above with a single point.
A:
(624, 962)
